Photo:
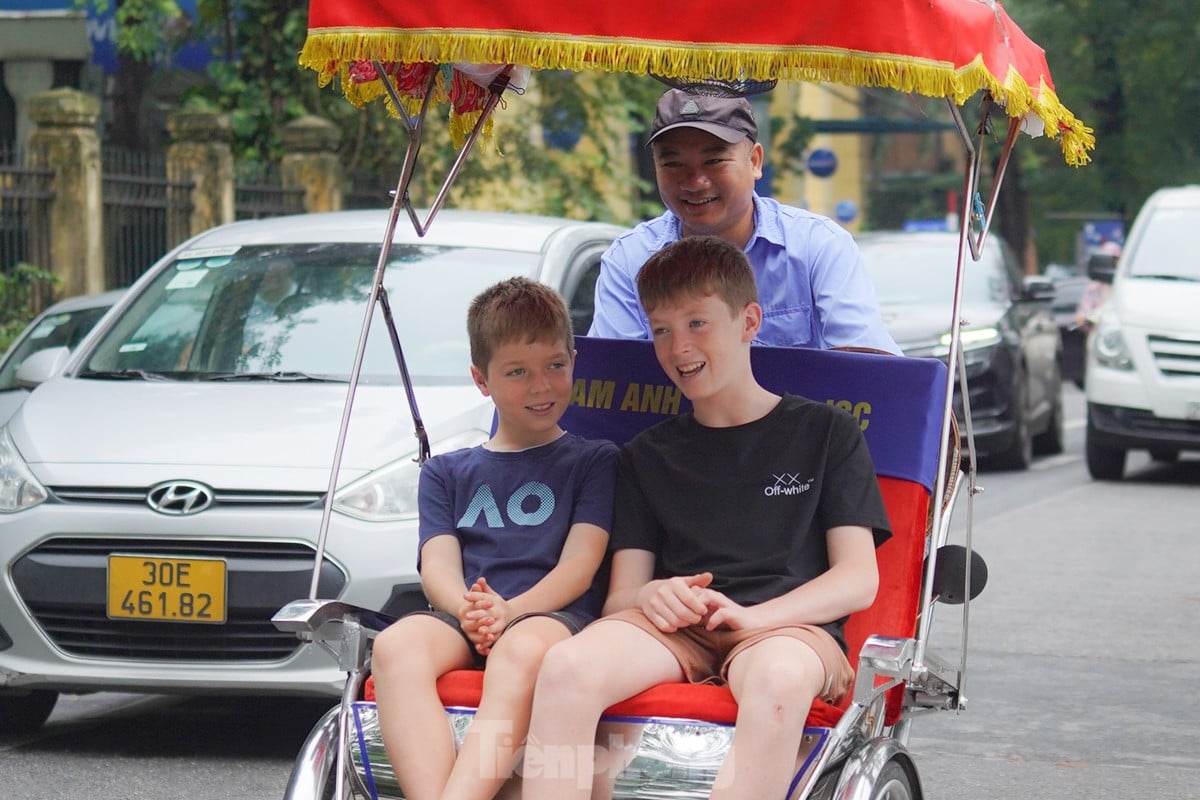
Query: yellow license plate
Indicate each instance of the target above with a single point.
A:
(171, 589)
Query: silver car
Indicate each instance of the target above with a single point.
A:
(64, 324)
(161, 491)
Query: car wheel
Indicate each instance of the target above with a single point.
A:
(1104, 463)
(1164, 456)
(26, 712)
(1050, 441)
(1019, 453)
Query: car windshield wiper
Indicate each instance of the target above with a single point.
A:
(125, 374)
(1185, 278)
(272, 376)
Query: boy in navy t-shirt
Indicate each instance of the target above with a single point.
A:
(512, 533)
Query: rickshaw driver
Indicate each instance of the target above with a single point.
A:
(813, 287)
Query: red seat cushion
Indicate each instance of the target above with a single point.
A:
(894, 613)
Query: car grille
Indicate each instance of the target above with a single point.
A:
(1147, 422)
(63, 582)
(221, 497)
(1174, 356)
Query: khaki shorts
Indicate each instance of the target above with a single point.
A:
(705, 655)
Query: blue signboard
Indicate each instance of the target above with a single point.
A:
(620, 389)
(102, 32)
(822, 162)
(1097, 232)
(919, 225)
(845, 211)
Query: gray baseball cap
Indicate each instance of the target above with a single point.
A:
(728, 118)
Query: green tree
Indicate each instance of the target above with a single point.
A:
(24, 291)
(1131, 70)
(256, 80)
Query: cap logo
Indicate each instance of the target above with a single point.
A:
(690, 107)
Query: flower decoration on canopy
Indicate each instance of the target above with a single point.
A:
(937, 48)
(465, 87)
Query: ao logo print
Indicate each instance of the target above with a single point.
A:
(485, 503)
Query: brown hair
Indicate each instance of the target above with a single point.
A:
(697, 266)
(516, 310)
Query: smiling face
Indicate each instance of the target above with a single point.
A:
(703, 346)
(530, 383)
(708, 183)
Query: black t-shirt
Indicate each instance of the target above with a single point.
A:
(750, 503)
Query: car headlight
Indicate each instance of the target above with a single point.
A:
(19, 489)
(389, 494)
(977, 344)
(1108, 343)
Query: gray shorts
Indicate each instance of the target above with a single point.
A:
(572, 621)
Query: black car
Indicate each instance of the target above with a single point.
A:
(1011, 344)
(1068, 289)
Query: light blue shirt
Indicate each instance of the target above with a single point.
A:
(812, 284)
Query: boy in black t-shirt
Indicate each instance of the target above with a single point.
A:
(758, 514)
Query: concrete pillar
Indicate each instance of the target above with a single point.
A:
(200, 152)
(30, 42)
(64, 139)
(23, 79)
(310, 162)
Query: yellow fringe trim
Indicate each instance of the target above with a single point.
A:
(328, 51)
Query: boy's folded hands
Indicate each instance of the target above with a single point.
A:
(484, 615)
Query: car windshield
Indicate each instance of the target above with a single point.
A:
(64, 329)
(295, 312)
(918, 272)
(1168, 245)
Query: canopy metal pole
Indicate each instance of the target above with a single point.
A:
(378, 294)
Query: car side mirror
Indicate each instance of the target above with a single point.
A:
(1102, 267)
(1038, 288)
(42, 366)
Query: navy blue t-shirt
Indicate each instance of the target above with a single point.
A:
(511, 511)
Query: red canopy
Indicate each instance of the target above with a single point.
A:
(938, 48)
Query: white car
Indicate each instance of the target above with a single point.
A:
(63, 324)
(1143, 368)
(161, 491)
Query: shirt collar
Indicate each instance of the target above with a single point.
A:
(766, 225)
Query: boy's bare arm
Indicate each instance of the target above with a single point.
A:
(848, 585)
(581, 556)
(442, 574)
(670, 603)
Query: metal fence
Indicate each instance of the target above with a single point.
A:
(26, 194)
(258, 192)
(145, 214)
(367, 190)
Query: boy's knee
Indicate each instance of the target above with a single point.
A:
(791, 685)
(564, 669)
(396, 645)
(519, 651)
(386, 645)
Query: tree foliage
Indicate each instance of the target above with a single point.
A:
(1131, 70)
(256, 80)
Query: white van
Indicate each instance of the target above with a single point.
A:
(1143, 369)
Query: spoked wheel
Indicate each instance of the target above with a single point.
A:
(894, 784)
